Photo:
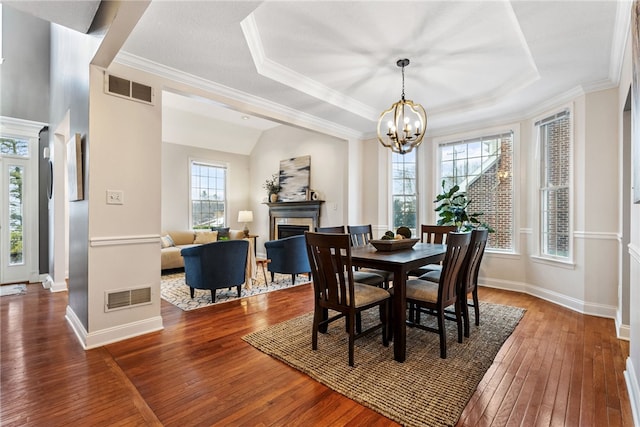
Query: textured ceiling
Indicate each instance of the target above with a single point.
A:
(332, 63)
(335, 61)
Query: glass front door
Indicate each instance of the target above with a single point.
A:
(15, 226)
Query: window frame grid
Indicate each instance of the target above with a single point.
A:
(487, 135)
(392, 195)
(544, 191)
(213, 164)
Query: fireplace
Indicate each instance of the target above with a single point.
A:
(285, 230)
(294, 217)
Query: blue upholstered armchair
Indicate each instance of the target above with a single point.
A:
(216, 265)
(288, 256)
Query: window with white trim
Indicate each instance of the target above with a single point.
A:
(554, 136)
(404, 193)
(483, 168)
(208, 195)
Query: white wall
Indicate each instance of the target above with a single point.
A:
(124, 247)
(632, 375)
(328, 172)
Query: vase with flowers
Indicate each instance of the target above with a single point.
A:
(273, 187)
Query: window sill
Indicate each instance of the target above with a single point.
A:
(569, 265)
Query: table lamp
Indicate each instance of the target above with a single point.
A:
(246, 217)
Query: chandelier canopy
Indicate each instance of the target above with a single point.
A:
(400, 136)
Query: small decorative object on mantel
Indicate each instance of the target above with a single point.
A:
(273, 187)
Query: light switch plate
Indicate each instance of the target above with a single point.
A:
(115, 197)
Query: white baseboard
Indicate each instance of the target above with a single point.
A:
(58, 286)
(110, 335)
(633, 390)
(574, 304)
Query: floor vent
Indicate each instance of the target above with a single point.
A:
(115, 300)
(128, 89)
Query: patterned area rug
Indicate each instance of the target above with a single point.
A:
(425, 390)
(174, 290)
(7, 290)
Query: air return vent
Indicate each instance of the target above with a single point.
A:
(123, 298)
(128, 89)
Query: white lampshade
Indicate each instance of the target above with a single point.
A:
(245, 216)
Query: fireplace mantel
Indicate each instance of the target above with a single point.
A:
(290, 210)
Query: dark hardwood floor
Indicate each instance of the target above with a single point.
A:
(558, 368)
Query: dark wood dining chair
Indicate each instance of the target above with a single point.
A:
(468, 277)
(361, 235)
(361, 276)
(432, 234)
(335, 289)
(434, 298)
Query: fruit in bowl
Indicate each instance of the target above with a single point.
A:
(401, 233)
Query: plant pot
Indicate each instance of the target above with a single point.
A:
(273, 198)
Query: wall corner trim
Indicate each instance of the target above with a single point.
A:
(633, 390)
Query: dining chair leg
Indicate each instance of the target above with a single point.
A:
(458, 319)
(352, 334)
(384, 319)
(476, 305)
(465, 315)
(443, 335)
(317, 318)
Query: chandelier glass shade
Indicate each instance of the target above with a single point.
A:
(401, 128)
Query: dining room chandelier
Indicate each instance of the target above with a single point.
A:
(400, 136)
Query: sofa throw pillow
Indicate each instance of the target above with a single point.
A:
(223, 232)
(203, 237)
(166, 241)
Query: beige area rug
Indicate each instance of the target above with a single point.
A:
(174, 290)
(425, 390)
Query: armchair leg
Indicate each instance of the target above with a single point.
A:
(293, 279)
(273, 275)
(213, 295)
(239, 291)
(191, 291)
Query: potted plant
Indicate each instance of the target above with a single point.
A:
(273, 187)
(452, 210)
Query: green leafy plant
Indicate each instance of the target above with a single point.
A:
(452, 210)
(272, 185)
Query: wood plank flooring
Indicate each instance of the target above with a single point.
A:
(559, 368)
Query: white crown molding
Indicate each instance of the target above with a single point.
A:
(20, 127)
(252, 103)
(281, 74)
(620, 36)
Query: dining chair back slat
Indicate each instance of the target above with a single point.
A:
(469, 276)
(335, 289)
(435, 233)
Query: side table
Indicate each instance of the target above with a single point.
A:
(262, 262)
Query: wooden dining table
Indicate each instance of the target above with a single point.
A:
(400, 262)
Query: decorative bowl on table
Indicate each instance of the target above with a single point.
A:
(393, 244)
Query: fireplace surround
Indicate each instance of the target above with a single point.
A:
(295, 216)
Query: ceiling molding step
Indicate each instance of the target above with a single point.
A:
(288, 77)
(619, 42)
(279, 113)
(20, 127)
